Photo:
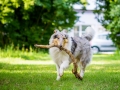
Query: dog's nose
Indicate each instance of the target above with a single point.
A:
(60, 45)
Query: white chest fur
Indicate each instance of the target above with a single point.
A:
(58, 55)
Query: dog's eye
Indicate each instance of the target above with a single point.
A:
(55, 36)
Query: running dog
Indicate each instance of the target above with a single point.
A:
(79, 46)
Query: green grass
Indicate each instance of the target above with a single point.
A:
(9, 52)
(18, 73)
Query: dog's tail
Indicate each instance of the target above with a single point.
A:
(89, 33)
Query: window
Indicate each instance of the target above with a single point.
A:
(76, 31)
(84, 27)
(104, 37)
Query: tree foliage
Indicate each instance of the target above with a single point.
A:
(26, 22)
(111, 17)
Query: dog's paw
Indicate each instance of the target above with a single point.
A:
(80, 78)
(61, 74)
(58, 78)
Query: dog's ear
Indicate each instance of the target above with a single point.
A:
(65, 31)
(66, 36)
(55, 31)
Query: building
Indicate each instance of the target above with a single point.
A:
(87, 18)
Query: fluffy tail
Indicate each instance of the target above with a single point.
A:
(89, 33)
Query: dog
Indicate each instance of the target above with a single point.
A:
(79, 47)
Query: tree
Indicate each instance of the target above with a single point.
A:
(26, 22)
(111, 18)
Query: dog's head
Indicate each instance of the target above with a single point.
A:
(59, 38)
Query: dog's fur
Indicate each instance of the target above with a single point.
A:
(79, 46)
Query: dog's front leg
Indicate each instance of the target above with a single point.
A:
(63, 66)
(58, 72)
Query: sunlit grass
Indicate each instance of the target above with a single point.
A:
(17, 73)
(42, 77)
(22, 61)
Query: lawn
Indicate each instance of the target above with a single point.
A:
(24, 73)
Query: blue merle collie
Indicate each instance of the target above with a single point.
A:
(79, 46)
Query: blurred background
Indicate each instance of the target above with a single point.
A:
(24, 23)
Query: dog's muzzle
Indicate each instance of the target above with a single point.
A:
(60, 47)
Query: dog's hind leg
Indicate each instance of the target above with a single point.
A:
(58, 72)
(82, 69)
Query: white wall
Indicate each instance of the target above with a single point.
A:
(87, 18)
